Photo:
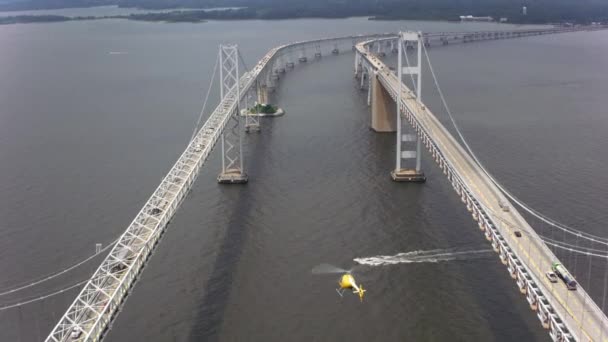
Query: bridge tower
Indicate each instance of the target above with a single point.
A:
(232, 141)
(408, 137)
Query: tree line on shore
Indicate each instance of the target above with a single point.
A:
(538, 11)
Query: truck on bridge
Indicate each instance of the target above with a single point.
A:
(563, 273)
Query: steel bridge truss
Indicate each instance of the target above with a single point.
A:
(89, 316)
(232, 140)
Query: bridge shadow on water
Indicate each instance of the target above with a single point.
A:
(212, 306)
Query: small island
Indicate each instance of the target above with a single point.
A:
(263, 109)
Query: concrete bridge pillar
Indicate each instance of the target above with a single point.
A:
(357, 65)
(262, 93)
(364, 75)
(384, 110)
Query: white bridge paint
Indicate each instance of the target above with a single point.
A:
(569, 315)
(100, 300)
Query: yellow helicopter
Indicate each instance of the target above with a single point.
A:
(346, 281)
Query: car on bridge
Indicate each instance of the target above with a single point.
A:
(504, 206)
(551, 276)
(76, 332)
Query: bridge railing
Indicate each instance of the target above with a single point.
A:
(527, 281)
(102, 296)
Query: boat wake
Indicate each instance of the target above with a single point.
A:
(434, 256)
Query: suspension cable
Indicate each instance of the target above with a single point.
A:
(42, 297)
(551, 242)
(567, 245)
(570, 230)
(560, 245)
(56, 274)
(243, 61)
(200, 116)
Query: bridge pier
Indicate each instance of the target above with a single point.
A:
(384, 113)
(252, 121)
(335, 50)
(357, 65)
(380, 49)
(262, 91)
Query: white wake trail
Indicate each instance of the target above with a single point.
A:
(434, 256)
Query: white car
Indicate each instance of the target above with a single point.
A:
(76, 332)
(552, 276)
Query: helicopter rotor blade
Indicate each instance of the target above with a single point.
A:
(327, 269)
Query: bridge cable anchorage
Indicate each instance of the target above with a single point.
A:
(553, 223)
(46, 278)
(200, 117)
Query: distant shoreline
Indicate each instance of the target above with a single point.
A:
(203, 15)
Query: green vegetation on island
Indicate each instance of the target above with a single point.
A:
(263, 109)
(538, 11)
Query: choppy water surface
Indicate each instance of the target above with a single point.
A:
(93, 114)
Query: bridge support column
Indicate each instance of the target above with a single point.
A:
(303, 58)
(380, 49)
(384, 114)
(404, 149)
(364, 74)
(369, 90)
(232, 143)
(262, 91)
(252, 121)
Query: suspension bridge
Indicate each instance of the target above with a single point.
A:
(396, 106)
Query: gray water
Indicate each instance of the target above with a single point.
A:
(86, 135)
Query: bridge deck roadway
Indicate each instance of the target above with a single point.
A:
(584, 319)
